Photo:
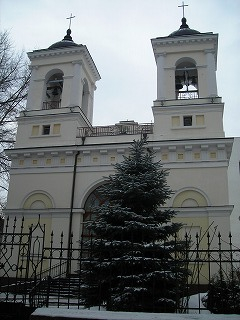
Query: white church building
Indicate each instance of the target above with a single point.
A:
(60, 158)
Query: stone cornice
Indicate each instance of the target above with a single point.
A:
(222, 145)
(210, 211)
(199, 38)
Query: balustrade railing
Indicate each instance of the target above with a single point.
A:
(187, 94)
(47, 105)
(114, 130)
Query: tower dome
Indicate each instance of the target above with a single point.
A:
(184, 30)
(67, 41)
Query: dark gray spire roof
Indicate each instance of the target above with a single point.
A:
(67, 41)
(184, 30)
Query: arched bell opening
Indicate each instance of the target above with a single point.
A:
(186, 80)
(54, 87)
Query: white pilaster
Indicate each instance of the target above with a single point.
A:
(211, 71)
(76, 87)
(31, 92)
(161, 92)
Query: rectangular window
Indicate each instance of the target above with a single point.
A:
(62, 160)
(56, 128)
(164, 156)
(213, 155)
(46, 129)
(180, 156)
(35, 130)
(175, 121)
(197, 155)
(187, 121)
(200, 120)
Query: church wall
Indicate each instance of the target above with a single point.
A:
(56, 184)
(210, 180)
(234, 191)
(211, 126)
(63, 129)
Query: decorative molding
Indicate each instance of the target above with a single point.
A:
(80, 49)
(168, 41)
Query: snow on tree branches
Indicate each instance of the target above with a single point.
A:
(14, 79)
(134, 261)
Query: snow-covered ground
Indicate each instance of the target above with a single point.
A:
(195, 303)
(108, 315)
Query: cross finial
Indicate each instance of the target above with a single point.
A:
(182, 6)
(70, 18)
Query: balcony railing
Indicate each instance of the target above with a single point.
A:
(187, 94)
(47, 105)
(115, 130)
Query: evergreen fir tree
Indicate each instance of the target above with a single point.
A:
(134, 263)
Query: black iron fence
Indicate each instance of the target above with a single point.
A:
(38, 270)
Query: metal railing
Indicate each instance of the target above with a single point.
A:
(45, 281)
(47, 105)
(115, 130)
(193, 94)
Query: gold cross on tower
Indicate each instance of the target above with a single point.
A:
(182, 6)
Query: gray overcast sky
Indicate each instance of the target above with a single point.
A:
(117, 34)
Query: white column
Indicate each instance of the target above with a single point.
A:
(211, 73)
(161, 91)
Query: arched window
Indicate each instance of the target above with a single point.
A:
(54, 87)
(186, 80)
(94, 199)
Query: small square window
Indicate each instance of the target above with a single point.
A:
(197, 155)
(62, 160)
(213, 155)
(187, 121)
(46, 130)
(164, 156)
(180, 156)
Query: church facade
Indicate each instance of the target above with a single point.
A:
(60, 158)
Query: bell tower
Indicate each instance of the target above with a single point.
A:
(187, 102)
(61, 94)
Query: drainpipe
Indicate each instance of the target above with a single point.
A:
(71, 212)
